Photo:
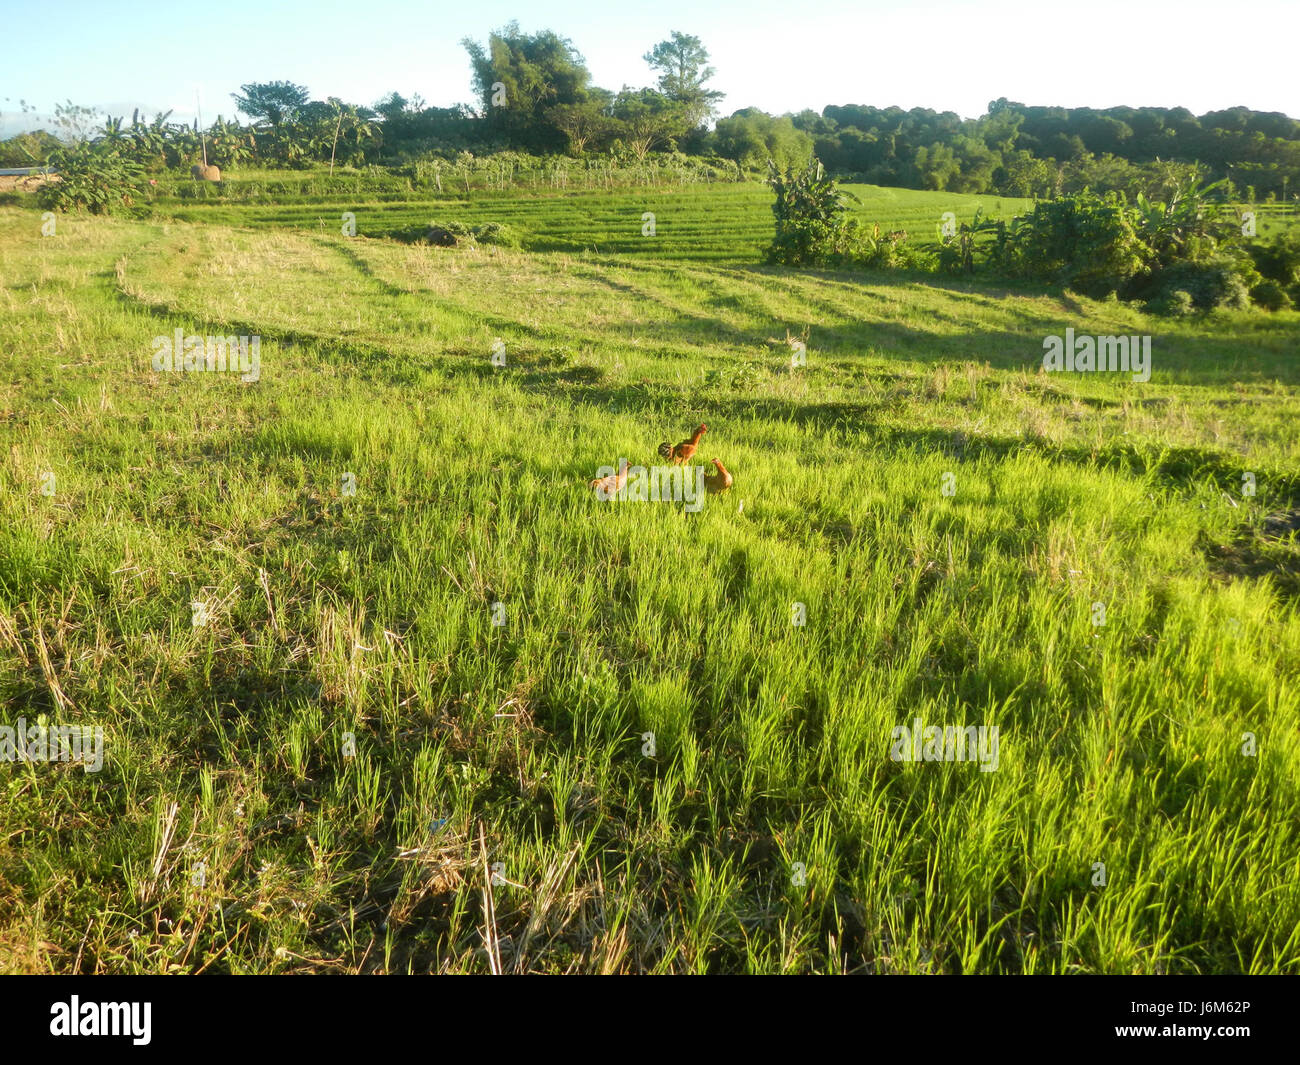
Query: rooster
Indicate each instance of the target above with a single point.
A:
(717, 482)
(612, 484)
(681, 453)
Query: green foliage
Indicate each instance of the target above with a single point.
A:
(497, 233)
(1042, 151)
(536, 73)
(1021, 174)
(889, 250)
(229, 145)
(1222, 281)
(28, 149)
(447, 234)
(582, 123)
(1086, 242)
(995, 238)
(1177, 255)
(645, 119)
(811, 228)
(683, 65)
(751, 138)
(1271, 296)
(1173, 303)
(1279, 259)
(1187, 224)
(275, 103)
(93, 177)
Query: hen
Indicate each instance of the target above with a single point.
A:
(681, 453)
(717, 482)
(607, 487)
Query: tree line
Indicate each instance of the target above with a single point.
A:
(1019, 150)
(533, 94)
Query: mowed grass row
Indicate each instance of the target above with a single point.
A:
(231, 829)
(700, 222)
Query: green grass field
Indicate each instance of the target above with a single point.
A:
(337, 762)
(718, 222)
(703, 222)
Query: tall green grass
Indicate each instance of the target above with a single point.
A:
(302, 783)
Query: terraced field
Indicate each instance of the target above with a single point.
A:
(721, 222)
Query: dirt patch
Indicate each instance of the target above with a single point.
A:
(1271, 550)
(1280, 526)
(25, 182)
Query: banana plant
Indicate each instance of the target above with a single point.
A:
(149, 142)
(229, 144)
(112, 133)
(1190, 214)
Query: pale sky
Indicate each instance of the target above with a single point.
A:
(773, 54)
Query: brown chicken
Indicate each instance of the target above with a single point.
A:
(613, 483)
(717, 482)
(681, 453)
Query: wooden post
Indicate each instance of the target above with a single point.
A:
(336, 141)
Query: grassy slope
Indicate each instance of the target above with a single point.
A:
(371, 614)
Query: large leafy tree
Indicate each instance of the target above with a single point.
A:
(587, 123)
(683, 66)
(751, 137)
(647, 120)
(276, 103)
(520, 78)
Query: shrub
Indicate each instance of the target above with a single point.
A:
(92, 177)
(451, 234)
(1271, 296)
(497, 233)
(1279, 259)
(1176, 303)
(1222, 281)
(1083, 241)
(811, 229)
(892, 251)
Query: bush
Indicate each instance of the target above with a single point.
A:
(497, 233)
(451, 234)
(1279, 259)
(91, 177)
(1083, 241)
(28, 149)
(811, 229)
(1271, 296)
(1222, 281)
(1174, 304)
(891, 251)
